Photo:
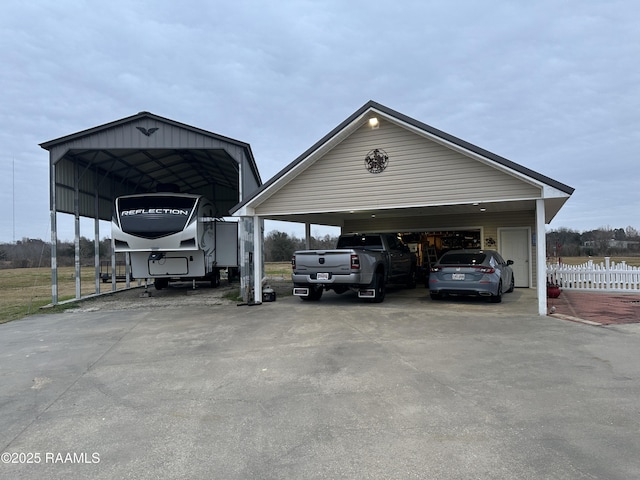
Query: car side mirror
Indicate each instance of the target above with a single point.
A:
(509, 262)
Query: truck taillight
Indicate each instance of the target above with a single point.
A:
(355, 262)
(293, 262)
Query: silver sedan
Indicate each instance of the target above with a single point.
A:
(471, 272)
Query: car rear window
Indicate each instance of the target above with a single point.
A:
(463, 258)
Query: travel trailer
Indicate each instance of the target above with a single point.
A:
(173, 236)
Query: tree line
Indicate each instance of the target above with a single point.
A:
(601, 242)
(28, 252)
(279, 246)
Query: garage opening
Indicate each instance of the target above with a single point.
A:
(430, 246)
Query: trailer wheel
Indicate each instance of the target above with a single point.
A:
(160, 283)
(215, 281)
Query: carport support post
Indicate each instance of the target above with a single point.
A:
(54, 237)
(541, 258)
(76, 221)
(307, 236)
(257, 260)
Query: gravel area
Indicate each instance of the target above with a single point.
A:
(176, 295)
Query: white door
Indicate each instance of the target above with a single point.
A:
(514, 245)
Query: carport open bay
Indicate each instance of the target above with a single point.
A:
(340, 389)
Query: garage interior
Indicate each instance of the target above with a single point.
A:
(428, 247)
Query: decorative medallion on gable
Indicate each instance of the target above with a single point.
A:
(376, 160)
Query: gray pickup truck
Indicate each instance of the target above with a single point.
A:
(364, 263)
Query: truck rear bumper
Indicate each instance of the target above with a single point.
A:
(352, 279)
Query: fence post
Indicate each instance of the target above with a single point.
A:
(607, 272)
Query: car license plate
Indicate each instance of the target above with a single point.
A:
(457, 276)
(323, 276)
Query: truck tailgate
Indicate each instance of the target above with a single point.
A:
(331, 261)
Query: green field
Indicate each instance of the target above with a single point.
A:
(24, 290)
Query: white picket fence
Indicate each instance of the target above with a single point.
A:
(606, 275)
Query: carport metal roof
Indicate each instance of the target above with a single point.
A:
(138, 153)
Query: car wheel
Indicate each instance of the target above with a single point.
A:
(512, 285)
(498, 297)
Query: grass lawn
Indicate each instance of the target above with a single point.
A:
(24, 290)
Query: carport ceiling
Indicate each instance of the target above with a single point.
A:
(339, 218)
(191, 170)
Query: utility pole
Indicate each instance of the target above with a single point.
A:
(13, 195)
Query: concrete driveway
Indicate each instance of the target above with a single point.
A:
(338, 389)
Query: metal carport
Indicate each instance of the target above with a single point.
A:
(89, 169)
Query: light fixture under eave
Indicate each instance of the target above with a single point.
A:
(483, 209)
(374, 122)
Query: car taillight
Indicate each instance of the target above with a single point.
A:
(293, 262)
(355, 262)
(486, 269)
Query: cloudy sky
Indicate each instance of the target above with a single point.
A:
(550, 84)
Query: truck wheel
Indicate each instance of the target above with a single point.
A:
(411, 281)
(315, 293)
(379, 287)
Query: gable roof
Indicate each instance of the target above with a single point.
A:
(353, 122)
(135, 154)
(83, 134)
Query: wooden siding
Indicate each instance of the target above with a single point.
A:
(420, 172)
